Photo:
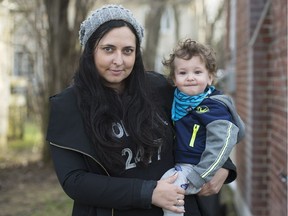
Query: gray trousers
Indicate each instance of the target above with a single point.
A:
(183, 170)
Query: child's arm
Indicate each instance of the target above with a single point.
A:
(221, 138)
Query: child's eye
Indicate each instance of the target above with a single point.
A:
(198, 72)
(182, 73)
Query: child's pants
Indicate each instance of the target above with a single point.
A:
(183, 171)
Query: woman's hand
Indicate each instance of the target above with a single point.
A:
(169, 196)
(216, 183)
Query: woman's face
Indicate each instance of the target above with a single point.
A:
(114, 57)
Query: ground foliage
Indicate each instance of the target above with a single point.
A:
(32, 190)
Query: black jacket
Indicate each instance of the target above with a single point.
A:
(85, 179)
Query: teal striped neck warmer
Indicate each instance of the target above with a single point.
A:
(184, 103)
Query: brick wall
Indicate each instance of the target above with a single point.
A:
(261, 118)
(261, 98)
(277, 107)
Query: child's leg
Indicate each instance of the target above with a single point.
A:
(180, 181)
(185, 170)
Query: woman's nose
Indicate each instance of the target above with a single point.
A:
(118, 58)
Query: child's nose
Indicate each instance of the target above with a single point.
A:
(190, 76)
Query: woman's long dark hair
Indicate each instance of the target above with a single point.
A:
(102, 107)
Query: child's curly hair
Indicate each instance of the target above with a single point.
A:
(186, 50)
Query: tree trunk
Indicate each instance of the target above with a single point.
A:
(152, 26)
(63, 52)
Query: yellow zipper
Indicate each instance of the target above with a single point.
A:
(195, 130)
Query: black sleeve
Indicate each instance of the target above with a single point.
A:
(232, 171)
(98, 190)
(70, 149)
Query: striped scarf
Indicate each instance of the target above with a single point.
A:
(183, 103)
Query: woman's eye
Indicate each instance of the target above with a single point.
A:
(107, 49)
(128, 51)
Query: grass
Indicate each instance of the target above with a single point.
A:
(32, 137)
(22, 173)
(22, 150)
(58, 206)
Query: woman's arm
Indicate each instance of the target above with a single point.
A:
(224, 175)
(98, 190)
(216, 183)
(109, 192)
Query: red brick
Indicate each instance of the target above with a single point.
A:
(267, 115)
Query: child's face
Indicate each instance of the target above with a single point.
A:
(191, 76)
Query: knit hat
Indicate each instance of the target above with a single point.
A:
(105, 14)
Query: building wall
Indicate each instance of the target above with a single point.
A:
(277, 107)
(261, 96)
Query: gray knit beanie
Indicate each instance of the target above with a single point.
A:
(105, 14)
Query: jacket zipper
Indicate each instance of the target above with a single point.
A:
(195, 130)
(112, 213)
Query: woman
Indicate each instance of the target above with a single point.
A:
(110, 134)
